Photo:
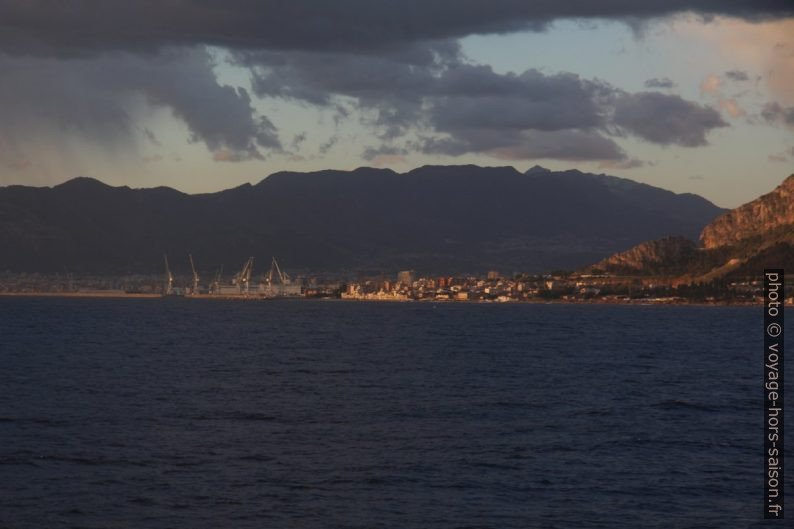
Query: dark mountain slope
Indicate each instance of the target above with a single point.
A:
(444, 219)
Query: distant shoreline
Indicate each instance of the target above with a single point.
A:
(132, 295)
(97, 294)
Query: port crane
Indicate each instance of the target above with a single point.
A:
(169, 278)
(282, 276)
(243, 277)
(278, 283)
(217, 282)
(195, 274)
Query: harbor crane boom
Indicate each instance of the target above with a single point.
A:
(243, 277)
(282, 277)
(195, 274)
(169, 277)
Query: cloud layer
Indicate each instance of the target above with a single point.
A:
(82, 68)
(437, 102)
(95, 98)
(56, 27)
(666, 119)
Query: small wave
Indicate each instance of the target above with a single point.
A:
(252, 417)
(72, 512)
(559, 448)
(86, 460)
(515, 404)
(595, 412)
(683, 404)
(18, 461)
(43, 421)
(256, 457)
(497, 466)
(235, 416)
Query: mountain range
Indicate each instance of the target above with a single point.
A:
(434, 219)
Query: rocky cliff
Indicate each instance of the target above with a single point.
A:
(771, 212)
(741, 242)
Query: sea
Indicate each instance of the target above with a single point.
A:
(191, 413)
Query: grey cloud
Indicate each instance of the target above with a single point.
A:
(297, 140)
(396, 62)
(775, 113)
(626, 163)
(475, 96)
(53, 27)
(94, 97)
(328, 145)
(525, 116)
(514, 112)
(152, 138)
(371, 153)
(390, 86)
(443, 94)
(666, 119)
(572, 145)
(662, 82)
(737, 75)
(459, 107)
(313, 77)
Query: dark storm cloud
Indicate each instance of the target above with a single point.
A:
(737, 75)
(663, 82)
(775, 113)
(666, 119)
(57, 27)
(94, 98)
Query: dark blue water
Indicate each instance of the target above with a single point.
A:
(191, 413)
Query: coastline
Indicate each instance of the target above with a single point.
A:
(96, 294)
(642, 302)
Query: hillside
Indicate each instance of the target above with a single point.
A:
(739, 243)
(435, 219)
(760, 217)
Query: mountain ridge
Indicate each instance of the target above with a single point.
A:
(440, 219)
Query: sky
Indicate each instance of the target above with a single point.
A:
(203, 95)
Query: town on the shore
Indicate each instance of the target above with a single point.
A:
(407, 285)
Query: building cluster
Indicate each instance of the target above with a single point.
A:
(562, 286)
(407, 285)
(492, 287)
